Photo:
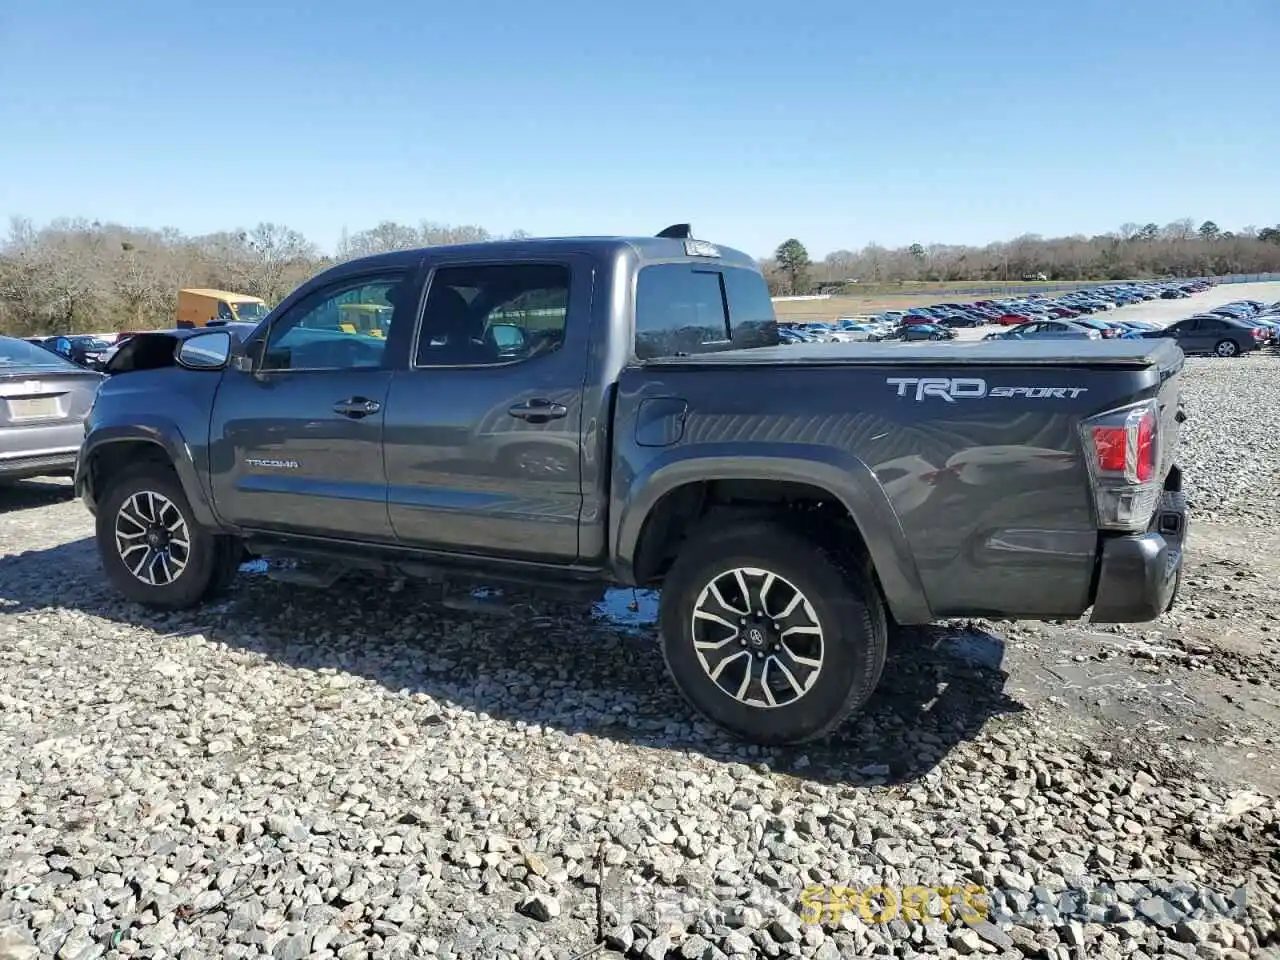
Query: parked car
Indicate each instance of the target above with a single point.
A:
(956, 320)
(1012, 319)
(1106, 328)
(81, 349)
(1207, 334)
(1046, 330)
(428, 453)
(926, 331)
(43, 402)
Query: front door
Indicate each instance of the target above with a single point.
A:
(483, 431)
(1186, 334)
(296, 445)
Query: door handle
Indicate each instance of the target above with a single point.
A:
(356, 407)
(538, 410)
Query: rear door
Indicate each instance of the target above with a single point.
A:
(296, 445)
(484, 428)
(1212, 332)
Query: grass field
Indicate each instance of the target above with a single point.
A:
(874, 297)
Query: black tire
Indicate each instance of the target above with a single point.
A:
(848, 611)
(206, 557)
(1226, 348)
(935, 336)
(231, 553)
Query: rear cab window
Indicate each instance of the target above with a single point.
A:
(688, 308)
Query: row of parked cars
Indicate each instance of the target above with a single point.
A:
(1230, 330)
(1227, 331)
(83, 349)
(937, 321)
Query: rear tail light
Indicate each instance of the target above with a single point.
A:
(1258, 333)
(1123, 452)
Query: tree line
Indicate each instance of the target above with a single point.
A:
(1134, 251)
(72, 276)
(80, 276)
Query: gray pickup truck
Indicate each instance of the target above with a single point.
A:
(619, 411)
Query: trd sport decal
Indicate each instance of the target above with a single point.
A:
(952, 389)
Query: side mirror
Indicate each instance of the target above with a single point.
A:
(508, 337)
(206, 351)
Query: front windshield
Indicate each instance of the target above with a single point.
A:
(250, 312)
(20, 353)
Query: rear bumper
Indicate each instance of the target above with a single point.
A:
(44, 464)
(1139, 575)
(40, 450)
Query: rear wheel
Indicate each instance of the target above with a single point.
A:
(1226, 348)
(768, 635)
(152, 550)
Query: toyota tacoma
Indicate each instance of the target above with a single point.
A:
(598, 411)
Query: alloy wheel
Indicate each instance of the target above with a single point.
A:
(757, 637)
(152, 538)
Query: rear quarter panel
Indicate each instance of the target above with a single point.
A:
(982, 503)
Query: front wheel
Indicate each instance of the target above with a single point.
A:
(769, 636)
(1226, 348)
(152, 550)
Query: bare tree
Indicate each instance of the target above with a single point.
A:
(380, 239)
(1183, 229)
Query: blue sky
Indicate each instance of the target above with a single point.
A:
(839, 123)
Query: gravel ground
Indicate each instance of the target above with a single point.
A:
(1233, 436)
(365, 773)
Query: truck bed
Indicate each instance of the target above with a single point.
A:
(989, 489)
(1132, 354)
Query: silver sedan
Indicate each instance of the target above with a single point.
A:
(43, 402)
(1046, 329)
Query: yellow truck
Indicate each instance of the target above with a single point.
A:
(197, 306)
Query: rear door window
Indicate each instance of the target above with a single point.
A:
(680, 310)
(689, 308)
(752, 322)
